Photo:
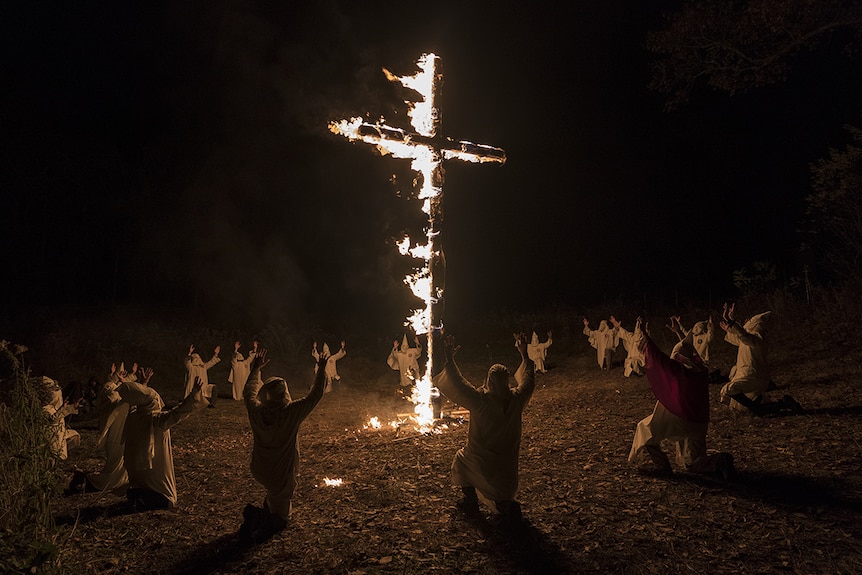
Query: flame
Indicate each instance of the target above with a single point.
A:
(421, 113)
(476, 153)
(332, 482)
(374, 423)
(426, 152)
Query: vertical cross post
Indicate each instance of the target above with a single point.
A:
(427, 149)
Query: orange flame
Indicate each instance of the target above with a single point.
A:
(426, 153)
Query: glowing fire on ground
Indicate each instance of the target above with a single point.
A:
(426, 151)
(374, 423)
(332, 482)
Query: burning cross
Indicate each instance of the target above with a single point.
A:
(427, 148)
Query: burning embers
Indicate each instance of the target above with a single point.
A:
(427, 149)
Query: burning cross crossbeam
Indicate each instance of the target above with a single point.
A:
(427, 148)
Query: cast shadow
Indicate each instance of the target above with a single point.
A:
(798, 493)
(214, 555)
(94, 512)
(850, 410)
(835, 411)
(526, 548)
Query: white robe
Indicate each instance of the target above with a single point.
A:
(195, 367)
(538, 352)
(331, 372)
(489, 460)
(702, 334)
(604, 340)
(57, 412)
(751, 374)
(239, 370)
(406, 361)
(275, 455)
(634, 362)
(689, 437)
(113, 412)
(148, 454)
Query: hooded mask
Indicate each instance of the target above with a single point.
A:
(685, 353)
(274, 392)
(497, 382)
(757, 324)
(155, 405)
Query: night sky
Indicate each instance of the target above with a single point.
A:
(176, 155)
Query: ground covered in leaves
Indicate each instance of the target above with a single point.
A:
(795, 507)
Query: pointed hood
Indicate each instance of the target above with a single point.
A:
(757, 324)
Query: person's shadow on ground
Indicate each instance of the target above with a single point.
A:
(214, 555)
(522, 545)
(795, 492)
(94, 512)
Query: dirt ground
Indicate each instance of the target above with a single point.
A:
(795, 506)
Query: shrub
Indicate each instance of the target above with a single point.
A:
(29, 474)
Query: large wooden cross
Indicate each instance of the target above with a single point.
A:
(427, 148)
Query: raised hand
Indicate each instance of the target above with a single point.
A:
(146, 374)
(521, 343)
(236, 346)
(450, 347)
(322, 359)
(727, 316)
(191, 349)
(675, 326)
(260, 360)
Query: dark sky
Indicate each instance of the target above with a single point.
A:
(176, 154)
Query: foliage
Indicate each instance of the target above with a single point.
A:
(835, 207)
(757, 280)
(29, 475)
(734, 45)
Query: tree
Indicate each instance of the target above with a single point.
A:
(737, 45)
(835, 207)
(734, 45)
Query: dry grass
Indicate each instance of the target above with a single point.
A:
(795, 508)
